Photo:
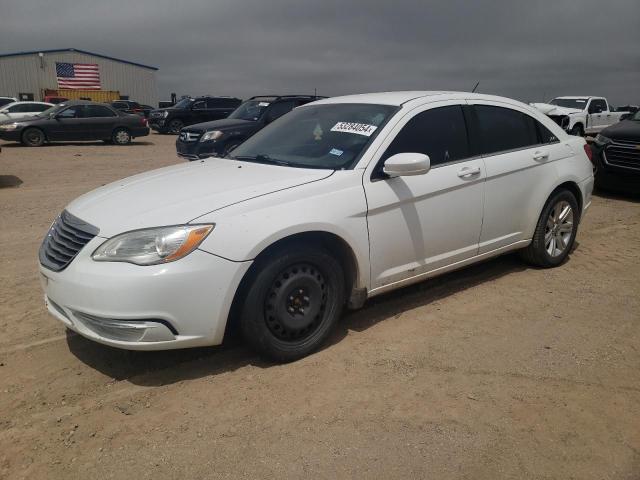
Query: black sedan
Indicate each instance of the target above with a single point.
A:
(617, 155)
(76, 120)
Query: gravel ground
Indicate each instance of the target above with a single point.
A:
(496, 371)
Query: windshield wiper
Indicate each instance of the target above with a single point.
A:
(266, 159)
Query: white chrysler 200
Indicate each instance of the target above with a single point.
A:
(336, 202)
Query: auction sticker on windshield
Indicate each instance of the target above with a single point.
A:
(357, 128)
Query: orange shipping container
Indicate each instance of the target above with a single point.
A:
(104, 96)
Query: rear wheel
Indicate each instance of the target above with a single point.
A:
(33, 137)
(292, 303)
(121, 136)
(555, 232)
(175, 125)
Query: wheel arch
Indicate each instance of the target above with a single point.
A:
(330, 242)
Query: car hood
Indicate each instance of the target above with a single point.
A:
(224, 124)
(181, 193)
(549, 109)
(628, 130)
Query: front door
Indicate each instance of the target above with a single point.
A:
(68, 124)
(421, 223)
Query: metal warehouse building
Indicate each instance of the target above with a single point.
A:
(29, 75)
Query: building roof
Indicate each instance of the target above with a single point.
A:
(56, 50)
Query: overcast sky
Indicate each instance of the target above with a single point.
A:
(530, 50)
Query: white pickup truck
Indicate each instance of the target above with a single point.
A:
(580, 115)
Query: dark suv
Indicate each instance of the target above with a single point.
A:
(218, 138)
(191, 110)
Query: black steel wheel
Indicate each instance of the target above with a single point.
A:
(293, 301)
(33, 137)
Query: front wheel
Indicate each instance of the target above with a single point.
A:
(577, 130)
(33, 137)
(555, 231)
(175, 125)
(292, 303)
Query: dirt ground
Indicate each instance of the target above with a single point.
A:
(496, 371)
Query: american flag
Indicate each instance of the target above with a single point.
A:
(84, 76)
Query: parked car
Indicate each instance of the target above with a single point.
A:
(18, 110)
(55, 99)
(580, 115)
(189, 111)
(6, 100)
(75, 120)
(617, 155)
(128, 106)
(221, 136)
(335, 202)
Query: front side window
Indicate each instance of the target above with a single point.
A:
(330, 136)
(71, 112)
(503, 129)
(199, 105)
(98, 111)
(38, 107)
(440, 133)
(597, 106)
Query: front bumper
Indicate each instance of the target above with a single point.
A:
(157, 124)
(10, 135)
(197, 150)
(159, 307)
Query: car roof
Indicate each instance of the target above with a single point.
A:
(27, 101)
(401, 98)
(578, 97)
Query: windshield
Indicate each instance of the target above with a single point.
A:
(330, 136)
(578, 103)
(184, 103)
(250, 110)
(49, 110)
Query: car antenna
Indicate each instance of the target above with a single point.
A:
(315, 92)
(474, 88)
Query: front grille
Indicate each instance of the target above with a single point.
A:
(190, 136)
(65, 239)
(156, 114)
(624, 154)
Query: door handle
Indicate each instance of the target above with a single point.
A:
(540, 156)
(468, 172)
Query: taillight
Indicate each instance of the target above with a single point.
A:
(144, 121)
(589, 152)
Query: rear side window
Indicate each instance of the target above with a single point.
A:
(545, 134)
(440, 133)
(503, 129)
(98, 111)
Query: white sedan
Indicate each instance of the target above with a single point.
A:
(334, 203)
(19, 110)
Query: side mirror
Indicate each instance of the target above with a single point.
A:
(406, 164)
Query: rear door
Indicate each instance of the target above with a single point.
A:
(418, 224)
(100, 121)
(519, 155)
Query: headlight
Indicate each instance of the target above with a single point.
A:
(153, 245)
(165, 114)
(213, 135)
(10, 126)
(602, 140)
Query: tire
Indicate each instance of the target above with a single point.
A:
(293, 300)
(121, 136)
(577, 130)
(175, 125)
(33, 137)
(555, 231)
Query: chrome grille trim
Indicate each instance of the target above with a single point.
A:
(66, 237)
(623, 154)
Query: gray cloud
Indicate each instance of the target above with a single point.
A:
(527, 50)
